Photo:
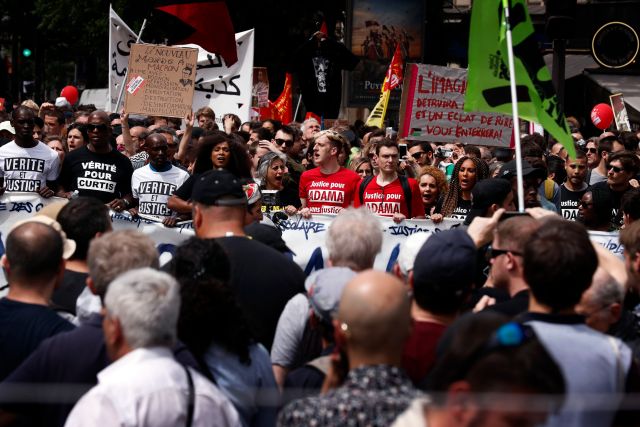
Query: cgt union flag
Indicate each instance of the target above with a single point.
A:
(391, 81)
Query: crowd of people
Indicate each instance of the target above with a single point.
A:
(511, 318)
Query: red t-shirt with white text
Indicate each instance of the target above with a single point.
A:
(328, 194)
(388, 200)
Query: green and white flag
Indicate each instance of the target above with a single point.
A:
(488, 77)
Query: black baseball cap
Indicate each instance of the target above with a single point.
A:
(218, 187)
(486, 193)
(509, 170)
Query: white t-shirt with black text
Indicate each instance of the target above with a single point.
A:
(28, 169)
(152, 189)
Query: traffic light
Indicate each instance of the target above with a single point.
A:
(26, 52)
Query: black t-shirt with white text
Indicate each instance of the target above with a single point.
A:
(569, 201)
(103, 176)
(616, 197)
(460, 212)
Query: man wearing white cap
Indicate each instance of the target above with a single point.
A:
(34, 264)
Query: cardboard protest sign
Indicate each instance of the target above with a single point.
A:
(161, 80)
(432, 109)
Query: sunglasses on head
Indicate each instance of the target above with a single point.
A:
(99, 128)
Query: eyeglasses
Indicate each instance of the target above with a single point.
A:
(494, 253)
(99, 128)
(417, 154)
(281, 141)
(592, 150)
(616, 169)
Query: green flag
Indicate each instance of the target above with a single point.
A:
(488, 86)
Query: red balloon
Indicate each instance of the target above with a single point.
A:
(602, 116)
(71, 93)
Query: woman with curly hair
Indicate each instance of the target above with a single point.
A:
(433, 183)
(457, 201)
(213, 327)
(215, 150)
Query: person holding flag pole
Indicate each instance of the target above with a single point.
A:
(530, 93)
(392, 79)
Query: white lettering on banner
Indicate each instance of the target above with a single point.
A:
(96, 184)
(433, 102)
(304, 237)
(326, 196)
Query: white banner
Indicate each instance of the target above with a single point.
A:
(226, 89)
(306, 238)
(120, 39)
(433, 109)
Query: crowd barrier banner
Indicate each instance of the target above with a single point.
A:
(305, 237)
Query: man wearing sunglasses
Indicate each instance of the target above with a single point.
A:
(97, 169)
(26, 164)
(622, 167)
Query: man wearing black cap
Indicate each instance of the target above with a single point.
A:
(263, 279)
(532, 178)
(488, 196)
(442, 278)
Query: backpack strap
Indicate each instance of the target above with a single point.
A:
(363, 186)
(406, 189)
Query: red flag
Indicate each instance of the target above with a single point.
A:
(323, 28)
(394, 73)
(311, 115)
(282, 108)
(213, 29)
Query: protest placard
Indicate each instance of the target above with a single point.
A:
(620, 112)
(160, 80)
(432, 109)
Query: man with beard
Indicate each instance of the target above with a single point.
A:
(27, 165)
(572, 190)
(97, 169)
(153, 184)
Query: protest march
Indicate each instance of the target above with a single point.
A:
(392, 239)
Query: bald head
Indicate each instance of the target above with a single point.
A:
(99, 115)
(33, 252)
(375, 308)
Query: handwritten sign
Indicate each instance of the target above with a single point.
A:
(161, 80)
(432, 109)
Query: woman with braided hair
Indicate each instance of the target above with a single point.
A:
(457, 202)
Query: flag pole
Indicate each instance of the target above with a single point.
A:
(124, 81)
(514, 107)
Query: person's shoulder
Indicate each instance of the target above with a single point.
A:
(600, 185)
(310, 173)
(8, 147)
(142, 171)
(303, 411)
(348, 173)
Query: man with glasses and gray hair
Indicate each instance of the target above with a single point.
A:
(145, 386)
